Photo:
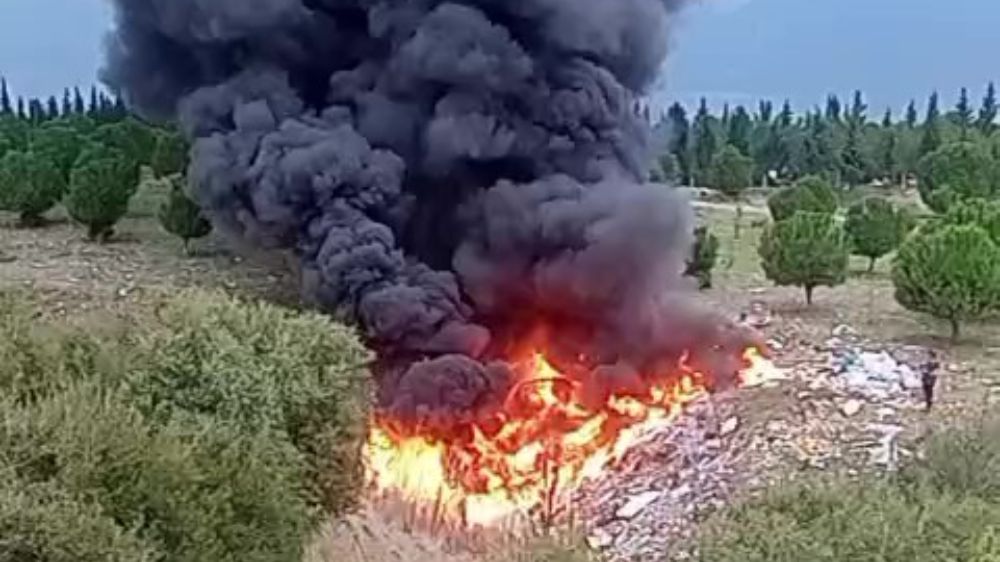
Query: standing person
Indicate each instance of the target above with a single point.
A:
(928, 378)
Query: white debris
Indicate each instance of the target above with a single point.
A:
(600, 539)
(886, 453)
(636, 504)
(851, 407)
(729, 426)
(877, 375)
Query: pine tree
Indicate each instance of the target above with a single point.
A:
(36, 111)
(931, 139)
(887, 118)
(93, 108)
(911, 114)
(704, 141)
(786, 115)
(67, 103)
(680, 146)
(854, 165)
(21, 113)
(859, 109)
(888, 152)
(765, 111)
(5, 106)
(79, 106)
(988, 112)
(963, 113)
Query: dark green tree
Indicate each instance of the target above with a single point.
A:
(101, 185)
(888, 152)
(740, 130)
(931, 139)
(887, 118)
(876, 227)
(5, 105)
(765, 112)
(911, 114)
(964, 116)
(808, 250)
(67, 103)
(855, 166)
(978, 212)
(988, 111)
(680, 145)
(951, 272)
(703, 257)
(182, 217)
(833, 108)
(956, 171)
(29, 185)
(810, 194)
(79, 106)
(52, 108)
(704, 141)
(731, 171)
(94, 108)
(785, 118)
(21, 110)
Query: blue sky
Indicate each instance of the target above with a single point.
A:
(727, 50)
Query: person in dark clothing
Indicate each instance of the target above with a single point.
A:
(928, 378)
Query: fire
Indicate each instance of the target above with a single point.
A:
(546, 441)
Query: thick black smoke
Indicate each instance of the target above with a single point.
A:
(450, 174)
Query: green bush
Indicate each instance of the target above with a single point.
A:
(956, 171)
(259, 367)
(130, 137)
(703, 257)
(170, 155)
(962, 462)
(979, 212)
(44, 522)
(101, 185)
(808, 250)
(876, 227)
(195, 494)
(29, 185)
(810, 194)
(182, 217)
(59, 145)
(951, 272)
(863, 521)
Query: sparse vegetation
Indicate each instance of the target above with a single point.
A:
(182, 217)
(704, 254)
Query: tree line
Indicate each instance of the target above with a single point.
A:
(97, 105)
(841, 141)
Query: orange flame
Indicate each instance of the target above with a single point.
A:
(553, 443)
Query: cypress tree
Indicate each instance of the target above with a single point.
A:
(740, 129)
(67, 103)
(765, 111)
(931, 139)
(988, 112)
(786, 115)
(833, 108)
(681, 141)
(887, 118)
(859, 109)
(704, 141)
(911, 114)
(79, 107)
(5, 106)
(93, 108)
(964, 114)
(20, 108)
(52, 109)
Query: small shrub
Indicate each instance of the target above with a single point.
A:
(59, 144)
(876, 227)
(808, 250)
(170, 155)
(100, 188)
(182, 217)
(29, 185)
(44, 522)
(962, 462)
(950, 272)
(195, 494)
(703, 257)
(865, 521)
(957, 171)
(811, 194)
(260, 367)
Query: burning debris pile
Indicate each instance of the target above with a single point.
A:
(465, 182)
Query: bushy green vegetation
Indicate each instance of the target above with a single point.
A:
(957, 171)
(876, 227)
(100, 188)
(182, 217)
(811, 194)
(943, 507)
(30, 185)
(214, 432)
(808, 250)
(951, 272)
(704, 254)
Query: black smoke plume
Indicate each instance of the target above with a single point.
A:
(450, 175)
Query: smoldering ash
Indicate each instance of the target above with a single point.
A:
(454, 177)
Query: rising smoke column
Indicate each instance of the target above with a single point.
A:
(448, 174)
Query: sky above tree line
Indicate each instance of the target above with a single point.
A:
(735, 51)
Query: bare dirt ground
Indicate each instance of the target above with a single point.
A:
(801, 425)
